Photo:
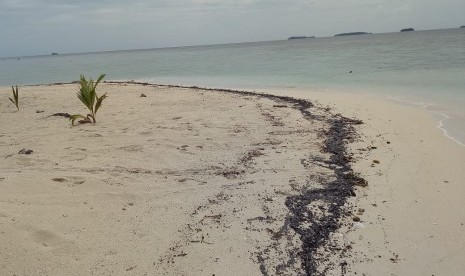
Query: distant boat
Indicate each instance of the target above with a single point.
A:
(352, 33)
(407, 30)
(299, 37)
(54, 54)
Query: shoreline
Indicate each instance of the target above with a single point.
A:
(304, 92)
(441, 126)
(443, 115)
(332, 164)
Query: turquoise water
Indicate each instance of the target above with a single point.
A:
(426, 68)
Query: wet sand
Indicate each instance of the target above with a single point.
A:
(187, 181)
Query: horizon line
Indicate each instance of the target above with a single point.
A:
(199, 45)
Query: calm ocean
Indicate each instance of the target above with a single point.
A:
(424, 68)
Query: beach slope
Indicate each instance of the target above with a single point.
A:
(177, 181)
(189, 181)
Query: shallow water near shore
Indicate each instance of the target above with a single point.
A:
(423, 68)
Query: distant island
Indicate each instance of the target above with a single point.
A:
(54, 54)
(407, 30)
(463, 26)
(352, 33)
(299, 37)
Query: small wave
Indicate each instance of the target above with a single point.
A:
(442, 127)
(429, 107)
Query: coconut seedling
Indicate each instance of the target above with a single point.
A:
(15, 99)
(90, 99)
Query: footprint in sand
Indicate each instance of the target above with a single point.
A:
(72, 180)
(47, 238)
(132, 148)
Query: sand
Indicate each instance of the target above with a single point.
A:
(413, 223)
(196, 182)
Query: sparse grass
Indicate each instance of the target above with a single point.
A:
(90, 99)
(15, 99)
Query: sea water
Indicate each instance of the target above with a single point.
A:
(424, 68)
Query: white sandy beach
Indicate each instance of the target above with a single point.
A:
(195, 182)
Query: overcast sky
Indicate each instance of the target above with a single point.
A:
(32, 27)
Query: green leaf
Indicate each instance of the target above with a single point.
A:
(86, 93)
(88, 96)
(15, 99)
(99, 79)
(99, 101)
